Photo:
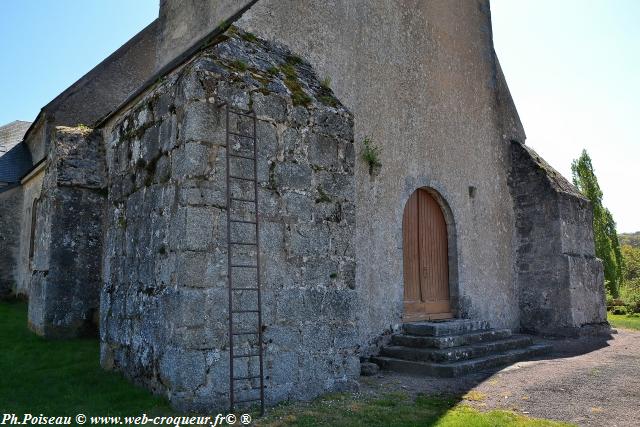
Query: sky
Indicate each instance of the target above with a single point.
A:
(573, 68)
(46, 45)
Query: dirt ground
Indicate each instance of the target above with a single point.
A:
(586, 381)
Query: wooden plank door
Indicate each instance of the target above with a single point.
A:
(426, 266)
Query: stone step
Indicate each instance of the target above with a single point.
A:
(445, 327)
(464, 367)
(457, 353)
(449, 341)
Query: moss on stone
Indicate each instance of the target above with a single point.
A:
(263, 90)
(238, 65)
(249, 37)
(322, 196)
(122, 221)
(329, 100)
(294, 60)
(298, 95)
(83, 128)
(272, 176)
(138, 132)
(326, 83)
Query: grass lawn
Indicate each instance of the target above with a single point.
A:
(59, 378)
(624, 321)
(392, 410)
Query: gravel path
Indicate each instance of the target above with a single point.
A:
(587, 381)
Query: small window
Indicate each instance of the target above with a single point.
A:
(33, 229)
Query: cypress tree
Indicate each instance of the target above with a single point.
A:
(604, 227)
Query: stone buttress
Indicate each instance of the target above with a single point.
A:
(164, 312)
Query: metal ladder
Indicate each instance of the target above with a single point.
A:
(233, 267)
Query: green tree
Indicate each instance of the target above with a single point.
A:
(631, 267)
(630, 292)
(604, 227)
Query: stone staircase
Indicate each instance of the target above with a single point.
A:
(453, 348)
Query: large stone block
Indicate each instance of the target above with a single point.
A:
(282, 368)
(309, 240)
(189, 160)
(270, 107)
(168, 133)
(323, 151)
(293, 176)
(336, 185)
(333, 123)
(182, 370)
(203, 227)
(203, 269)
(202, 122)
(203, 193)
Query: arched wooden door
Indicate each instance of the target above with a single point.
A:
(426, 266)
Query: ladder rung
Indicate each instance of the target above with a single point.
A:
(246, 355)
(241, 177)
(241, 135)
(248, 400)
(248, 152)
(246, 378)
(242, 221)
(242, 157)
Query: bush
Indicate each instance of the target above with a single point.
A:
(614, 302)
(633, 303)
(631, 296)
(619, 309)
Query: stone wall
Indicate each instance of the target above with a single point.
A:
(10, 213)
(38, 143)
(31, 188)
(561, 281)
(65, 267)
(164, 313)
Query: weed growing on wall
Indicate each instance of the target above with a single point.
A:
(371, 154)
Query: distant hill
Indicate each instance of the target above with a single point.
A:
(632, 239)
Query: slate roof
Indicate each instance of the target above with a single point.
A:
(11, 134)
(15, 163)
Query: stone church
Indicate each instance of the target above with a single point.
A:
(249, 198)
